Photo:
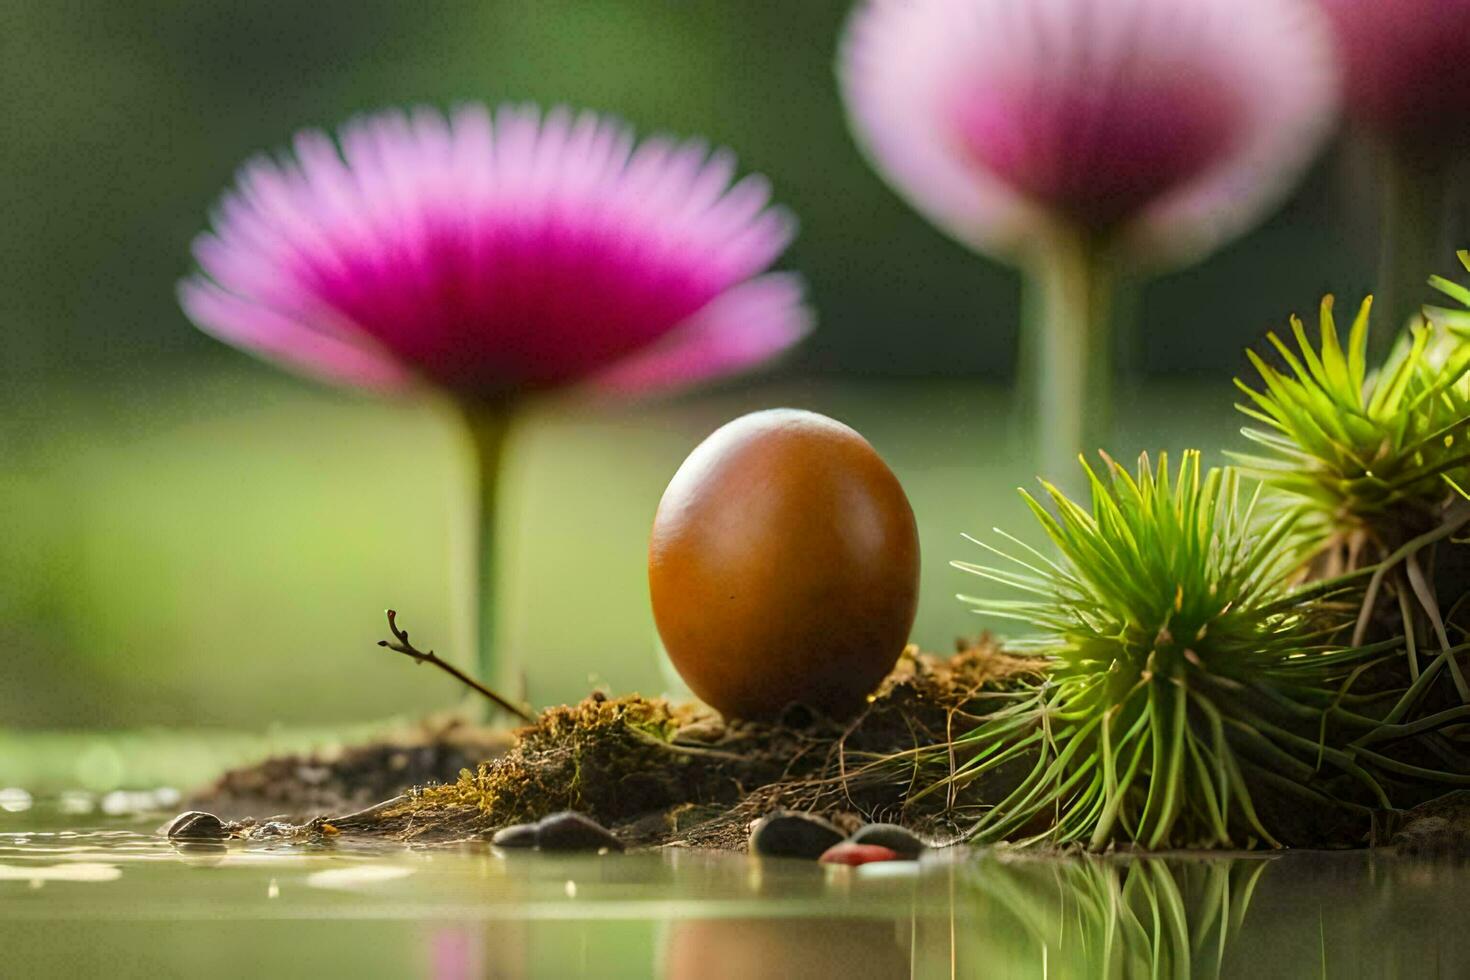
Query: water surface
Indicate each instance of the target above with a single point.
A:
(85, 893)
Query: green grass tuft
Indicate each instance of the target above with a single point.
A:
(1377, 463)
(1368, 455)
(1186, 672)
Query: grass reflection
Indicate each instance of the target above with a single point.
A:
(1117, 917)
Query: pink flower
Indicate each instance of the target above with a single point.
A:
(498, 256)
(1407, 63)
(1167, 125)
(495, 258)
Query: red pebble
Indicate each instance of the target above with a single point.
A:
(854, 854)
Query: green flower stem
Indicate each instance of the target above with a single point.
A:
(475, 548)
(1070, 285)
(1416, 185)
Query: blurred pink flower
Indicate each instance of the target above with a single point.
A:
(1166, 125)
(494, 256)
(1407, 63)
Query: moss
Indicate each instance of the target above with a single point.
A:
(610, 758)
(661, 773)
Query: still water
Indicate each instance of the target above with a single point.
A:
(92, 894)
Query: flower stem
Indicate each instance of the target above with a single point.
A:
(1070, 287)
(1416, 185)
(474, 544)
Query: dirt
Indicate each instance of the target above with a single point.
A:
(656, 773)
(299, 788)
(663, 774)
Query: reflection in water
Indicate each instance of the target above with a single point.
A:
(1012, 915)
(1083, 916)
(200, 853)
(356, 876)
(741, 949)
(1092, 916)
(122, 894)
(76, 871)
(1295, 914)
(456, 953)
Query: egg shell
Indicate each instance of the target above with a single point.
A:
(784, 566)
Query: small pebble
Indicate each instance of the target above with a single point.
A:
(891, 836)
(794, 835)
(707, 731)
(853, 855)
(516, 835)
(196, 825)
(570, 831)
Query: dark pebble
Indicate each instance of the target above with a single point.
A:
(196, 825)
(891, 836)
(794, 835)
(516, 835)
(571, 831)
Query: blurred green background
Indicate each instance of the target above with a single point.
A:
(191, 538)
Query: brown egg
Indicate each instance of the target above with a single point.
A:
(784, 566)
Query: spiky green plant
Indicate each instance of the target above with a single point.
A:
(1185, 672)
(1371, 454)
(1456, 321)
(1377, 462)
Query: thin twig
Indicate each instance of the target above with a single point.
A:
(403, 646)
